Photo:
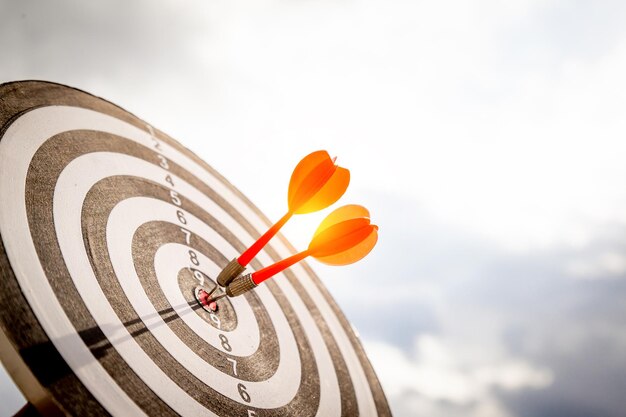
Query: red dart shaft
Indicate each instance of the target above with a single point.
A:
(269, 271)
(245, 258)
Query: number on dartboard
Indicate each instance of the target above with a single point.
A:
(234, 362)
(155, 141)
(198, 276)
(175, 198)
(227, 347)
(193, 257)
(216, 320)
(151, 131)
(187, 234)
(163, 162)
(242, 391)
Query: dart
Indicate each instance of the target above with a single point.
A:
(316, 183)
(344, 237)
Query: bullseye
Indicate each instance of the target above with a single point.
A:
(205, 300)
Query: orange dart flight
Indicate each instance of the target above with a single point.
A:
(316, 183)
(344, 237)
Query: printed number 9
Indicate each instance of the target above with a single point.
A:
(218, 323)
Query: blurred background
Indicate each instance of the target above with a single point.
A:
(487, 138)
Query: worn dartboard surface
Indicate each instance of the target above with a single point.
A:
(108, 227)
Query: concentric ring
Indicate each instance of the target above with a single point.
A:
(102, 219)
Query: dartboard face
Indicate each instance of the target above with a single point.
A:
(109, 230)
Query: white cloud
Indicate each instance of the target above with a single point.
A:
(606, 265)
(437, 372)
(484, 113)
(456, 106)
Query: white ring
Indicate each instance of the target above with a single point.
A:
(20, 142)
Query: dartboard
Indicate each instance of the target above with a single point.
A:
(109, 229)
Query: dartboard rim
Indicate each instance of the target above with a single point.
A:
(20, 97)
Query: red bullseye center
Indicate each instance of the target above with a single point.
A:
(206, 300)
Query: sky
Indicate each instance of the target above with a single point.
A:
(487, 139)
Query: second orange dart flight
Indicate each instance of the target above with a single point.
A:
(316, 183)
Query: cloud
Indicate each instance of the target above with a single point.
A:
(606, 265)
(472, 329)
(587, 360)
(478, 112)
(438, 373)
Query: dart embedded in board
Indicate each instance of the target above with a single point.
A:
(316, 183)
(345, 236)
